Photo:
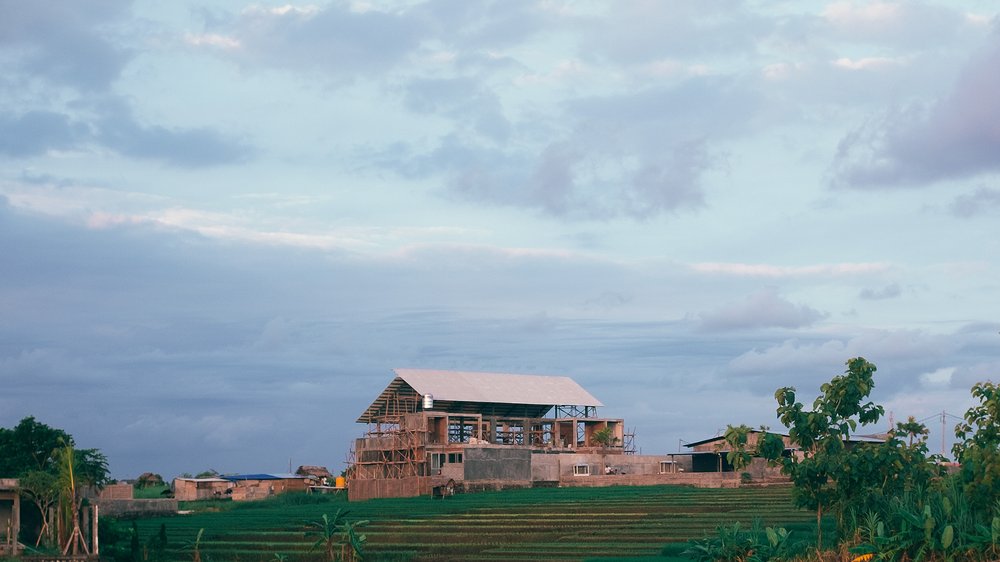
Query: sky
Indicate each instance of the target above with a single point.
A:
(224, 223)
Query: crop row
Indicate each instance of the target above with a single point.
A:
(549, 524)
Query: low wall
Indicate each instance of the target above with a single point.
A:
(696, 479)
(119, 508)
(358, 490)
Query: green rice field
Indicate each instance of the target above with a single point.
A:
(535, 524)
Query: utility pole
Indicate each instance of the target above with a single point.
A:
(943, 416)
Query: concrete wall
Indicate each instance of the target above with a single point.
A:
(116, 492)
(497, 463)
(545, 467)
(552, 467)
(358, 490)
(117, 508)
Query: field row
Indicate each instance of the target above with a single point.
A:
(544, 524)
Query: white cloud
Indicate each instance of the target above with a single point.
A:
(212, 40)
(763, 309)
(867, 63)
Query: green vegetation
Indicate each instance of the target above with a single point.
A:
(891, 501)
(531, 524)
(50, 472)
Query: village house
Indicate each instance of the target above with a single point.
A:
(240, 487)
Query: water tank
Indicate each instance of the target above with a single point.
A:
(428, 401)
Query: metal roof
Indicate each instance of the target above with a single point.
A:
(463, 390)
(279, 476)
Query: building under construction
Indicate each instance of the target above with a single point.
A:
(435, 432)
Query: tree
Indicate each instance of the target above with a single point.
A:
(978, 446)
(821, 433)
(604, 437)
(738, 455)
(43, 490)
(29, 446)
(77, 470)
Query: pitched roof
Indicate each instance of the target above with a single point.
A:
(538, 393)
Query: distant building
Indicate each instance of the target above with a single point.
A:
(240, 487)
(433, 431)
(710, 455)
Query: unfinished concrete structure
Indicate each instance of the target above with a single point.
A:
(10, 517)
(434, 431)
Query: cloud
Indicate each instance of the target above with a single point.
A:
(888, 292)
(764, 309)
(63, 43)
(635, 155)
(114, 127)
(464, 100)
(37, 132)
(981, 201)
(335, 40)
(119, 130)
(954, 137)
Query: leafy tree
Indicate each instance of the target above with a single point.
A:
(821, 434)
(978, 446)
(29, 446)
(743, 448)
(737, 437)
(43, 490)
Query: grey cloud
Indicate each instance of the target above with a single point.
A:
(952, 138)
(764, 309)
(67, 43)
(199, 147)
(464, 100)
(483, 25)
(133, 318)
(890, 291)
(638, 155)
(981, 201)
(37, 132)
(336, 40)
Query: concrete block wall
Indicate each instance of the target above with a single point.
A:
(497, 463)
(117, 507)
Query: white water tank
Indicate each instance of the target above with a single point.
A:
(428, 401)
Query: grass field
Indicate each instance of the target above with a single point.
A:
(536, 524)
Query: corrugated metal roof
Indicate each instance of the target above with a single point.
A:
(468, 391)
(501, 388)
